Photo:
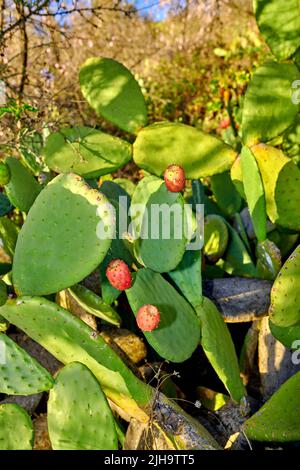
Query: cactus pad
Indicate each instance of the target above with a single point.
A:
(169, 240)
(112, 91)
(268, 109)
(219, 348)
(285, 294)
(278, 419)
(280, 178)
(85, 151)
(225, 193)
(79, 417)
(215, 237)
(8, 234)
(58, 245)
(93, 304)
(22, 188)
(177, 334)
(69, 339)
(198, 153)
(16, 429)
(268, 260)
(21, 374)
(3, 293)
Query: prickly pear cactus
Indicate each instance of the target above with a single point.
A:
(277, 420)
(8, 234)
(219, 348)
(3, 293)
(60, 242)
(268, 260)
(21, 374)
(93, 304)
(85, 151)
(178, 332)
(225, 193)
(69, 339)
(4, 174)
(22, 188)
(16, 429)
(199, 154)
(285, 294)
(112, 91)
(79, 417)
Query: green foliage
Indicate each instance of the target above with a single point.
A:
(277, 420)
(268, 260)
(68, 212)
(178, 332)
(5, 205)
(16, 429)
(85, 151)
(225, 193)
(93, 304)
(113, 93)
(21, 374)
(215, 237)
(279, 23)
(79, 417)
(254, 193)
(8, 235)
(22, 188)
(200, 154)
(268, 108)
(219, 348)
(284, 309)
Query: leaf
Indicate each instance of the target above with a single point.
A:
(177, 334)
(268, 108)
(219, 348)
(279, 23)
(200, 154)
(112, 91)
(85, 151)
(254, 192)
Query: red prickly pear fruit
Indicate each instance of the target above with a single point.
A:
(119, 275)
(174, 177)
(148, 317)
(4, 174)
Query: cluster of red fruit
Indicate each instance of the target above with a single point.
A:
(118, 273)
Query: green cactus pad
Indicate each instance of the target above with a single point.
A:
(22, 188)
(285, 294)
(289, 335)
(280, 178)
(236, 260)
(187, 277)
(85, 151)
(126, 184)
(254, 192)
(284, 241)
(169, 240)
(177, 334)
(225, 193)
(268, 108)
(279, 23)
(219, 348)
(93, 304)
(278, 419)
(200, 154)
(21, 374)
(3, 293)
(215, 237)
(9, 232)
(4, 174)
(69, 339)
(268, 260)
(112, 91)
(16, 429)
(79, 417)
(237, 177)
(58, 245)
